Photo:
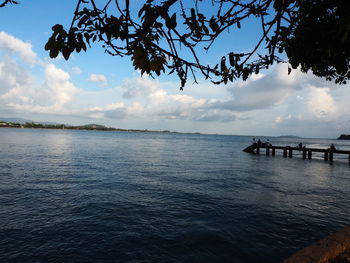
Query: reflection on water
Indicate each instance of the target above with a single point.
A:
(85, 196)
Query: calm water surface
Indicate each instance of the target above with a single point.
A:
(84, 196)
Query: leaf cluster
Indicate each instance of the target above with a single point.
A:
(320, 40)
(5, 2)
(313, 34)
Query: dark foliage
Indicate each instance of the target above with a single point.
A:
(8, 2)
(313, 34)
(320, 39)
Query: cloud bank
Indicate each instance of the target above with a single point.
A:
(20, 92)
(270, 102)
(14, 45)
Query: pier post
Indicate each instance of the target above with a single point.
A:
(331, 156)
(285, 152)
(304, 154)
(326, 155)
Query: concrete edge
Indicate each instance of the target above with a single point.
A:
(323, 250)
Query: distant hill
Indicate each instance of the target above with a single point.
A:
(93, 126)
(344, 137)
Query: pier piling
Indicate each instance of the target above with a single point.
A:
(331, 156)
(328, 154)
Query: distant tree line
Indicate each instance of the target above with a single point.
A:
(95, 127)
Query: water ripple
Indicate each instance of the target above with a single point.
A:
(77, 196)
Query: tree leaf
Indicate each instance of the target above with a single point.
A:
(231, 57)
(54, 52)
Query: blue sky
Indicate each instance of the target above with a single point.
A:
(94, 87)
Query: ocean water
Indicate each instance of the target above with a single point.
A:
(91, 196)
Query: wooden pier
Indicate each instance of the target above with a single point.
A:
(328, 154)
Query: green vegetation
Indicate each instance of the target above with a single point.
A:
(10, 124)
(95, 127)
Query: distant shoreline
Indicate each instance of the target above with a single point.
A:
(88, 127)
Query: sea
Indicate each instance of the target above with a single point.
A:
(95, 196)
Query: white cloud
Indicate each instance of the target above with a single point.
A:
(260, 92)
(321, 103)
(268, 91)
(49, 97)
(139, 87)
(114, 106)
(18, 89)
(12, 76)
(146, 98)
(14, 45)
(98, 78)
(216, 116)
(57, 86)
(117, 110)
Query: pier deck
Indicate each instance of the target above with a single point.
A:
(288, 151)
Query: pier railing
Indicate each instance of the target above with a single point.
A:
(328, 154)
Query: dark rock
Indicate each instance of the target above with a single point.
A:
(344, 137)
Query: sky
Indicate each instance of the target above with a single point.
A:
(94, 87)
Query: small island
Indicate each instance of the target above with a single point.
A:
(344, 137)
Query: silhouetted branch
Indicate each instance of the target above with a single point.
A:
(154, 38)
